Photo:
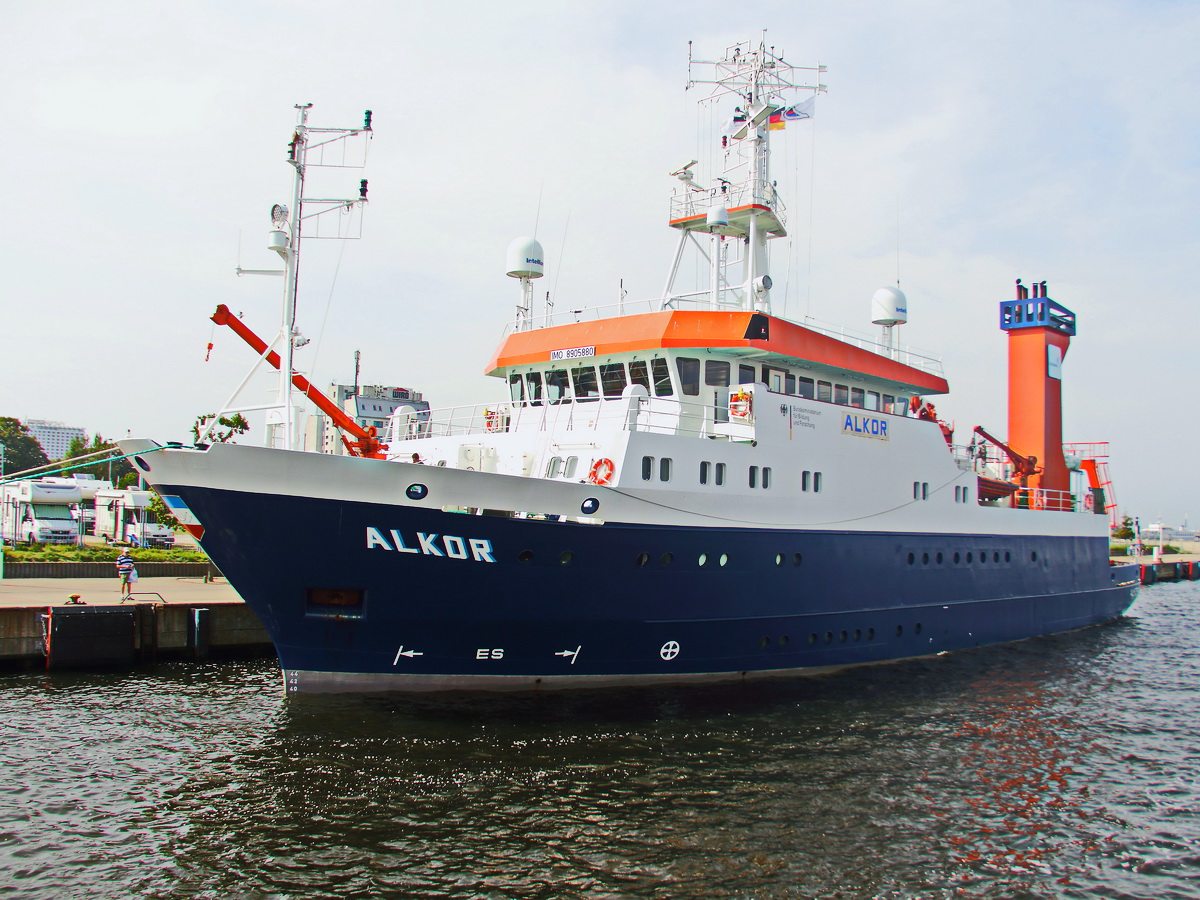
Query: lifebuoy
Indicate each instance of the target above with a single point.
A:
(740, 405)
(1088, 501)
(602, 471)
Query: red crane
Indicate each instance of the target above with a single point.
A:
(365, 442)
(1023, 466)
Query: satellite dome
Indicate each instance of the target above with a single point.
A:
(889, 306)
(525, 259)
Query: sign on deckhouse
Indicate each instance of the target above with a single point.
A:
(865, 426)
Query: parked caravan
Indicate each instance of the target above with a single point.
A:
(85, 510)
(126, 516)
(39, 512)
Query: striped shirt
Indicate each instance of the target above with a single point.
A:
(124, 564)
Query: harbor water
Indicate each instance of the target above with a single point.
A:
(1057, 767)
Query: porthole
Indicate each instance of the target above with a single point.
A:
(702, 561)
(829, 637)
(924, 559)
(956, 557)
(870, 634)
(1033, 556)
(589, 506)
(797, 558)
(643, 558)
(723, 559)
(142, 464)
(783, 640)
(763, 643)
(667, 558)
(812, 638)
(939, 559)
(416, 492)
(564, 558)
(1008, 556)
(842, 637)
(983, 557)
(525, 556)
(857, 634)
(780, 559)
(911, 559)
(969, 556)
(995, 556)
(899, 630)
(917, 628)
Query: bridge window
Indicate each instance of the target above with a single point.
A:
(745, 374)
(516, 387)
(612, 379)
(558, 388)
(825, 391)
(805, 388)
(662, 377)
(534, 383)
(873, 400)
(584, 380)
(841, 395)
(716, 373)
(858, 397)
(888, 403)
(689, 376)
(789, 384)
(639, 373)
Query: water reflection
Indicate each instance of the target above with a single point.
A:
(1038, 770)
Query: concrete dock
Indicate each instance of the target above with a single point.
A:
(165, 618)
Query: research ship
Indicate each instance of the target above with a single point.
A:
(686, 489)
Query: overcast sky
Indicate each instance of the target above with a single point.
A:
(144, 144)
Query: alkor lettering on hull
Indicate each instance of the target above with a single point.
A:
(447, 546)
(866, 426)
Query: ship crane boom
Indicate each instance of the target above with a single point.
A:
(365, 442)
(1023, 466)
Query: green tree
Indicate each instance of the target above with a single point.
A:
(21, 449)
(1124, 531)
(118, 471)
(232, 425)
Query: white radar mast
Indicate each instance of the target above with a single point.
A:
(741, 209)
(341, 148)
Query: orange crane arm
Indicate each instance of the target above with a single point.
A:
(1023, 465)
(364, 444)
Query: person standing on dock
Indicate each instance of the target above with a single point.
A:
(125, 570)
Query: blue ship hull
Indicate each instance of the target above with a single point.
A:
(361, 596)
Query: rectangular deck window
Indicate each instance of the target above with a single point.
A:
(639, 373)
(841, 395)
(816, 482)
(584, 381)
(516, 387)
(689, 375)
(533, 382)
(720, 473)
(789, 384)
(858, 397)
(805, 388)
(873, 400)
(704, 469)
(754, 476)
(558, 388)
(745, 374)
(662, 377)
(612, 379)
(716, 373)
(647, 468)
(664, 469)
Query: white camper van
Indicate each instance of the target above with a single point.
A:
(85, 510)
(126, 516)
(39, 512)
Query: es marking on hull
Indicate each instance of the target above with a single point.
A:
(452, 546)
